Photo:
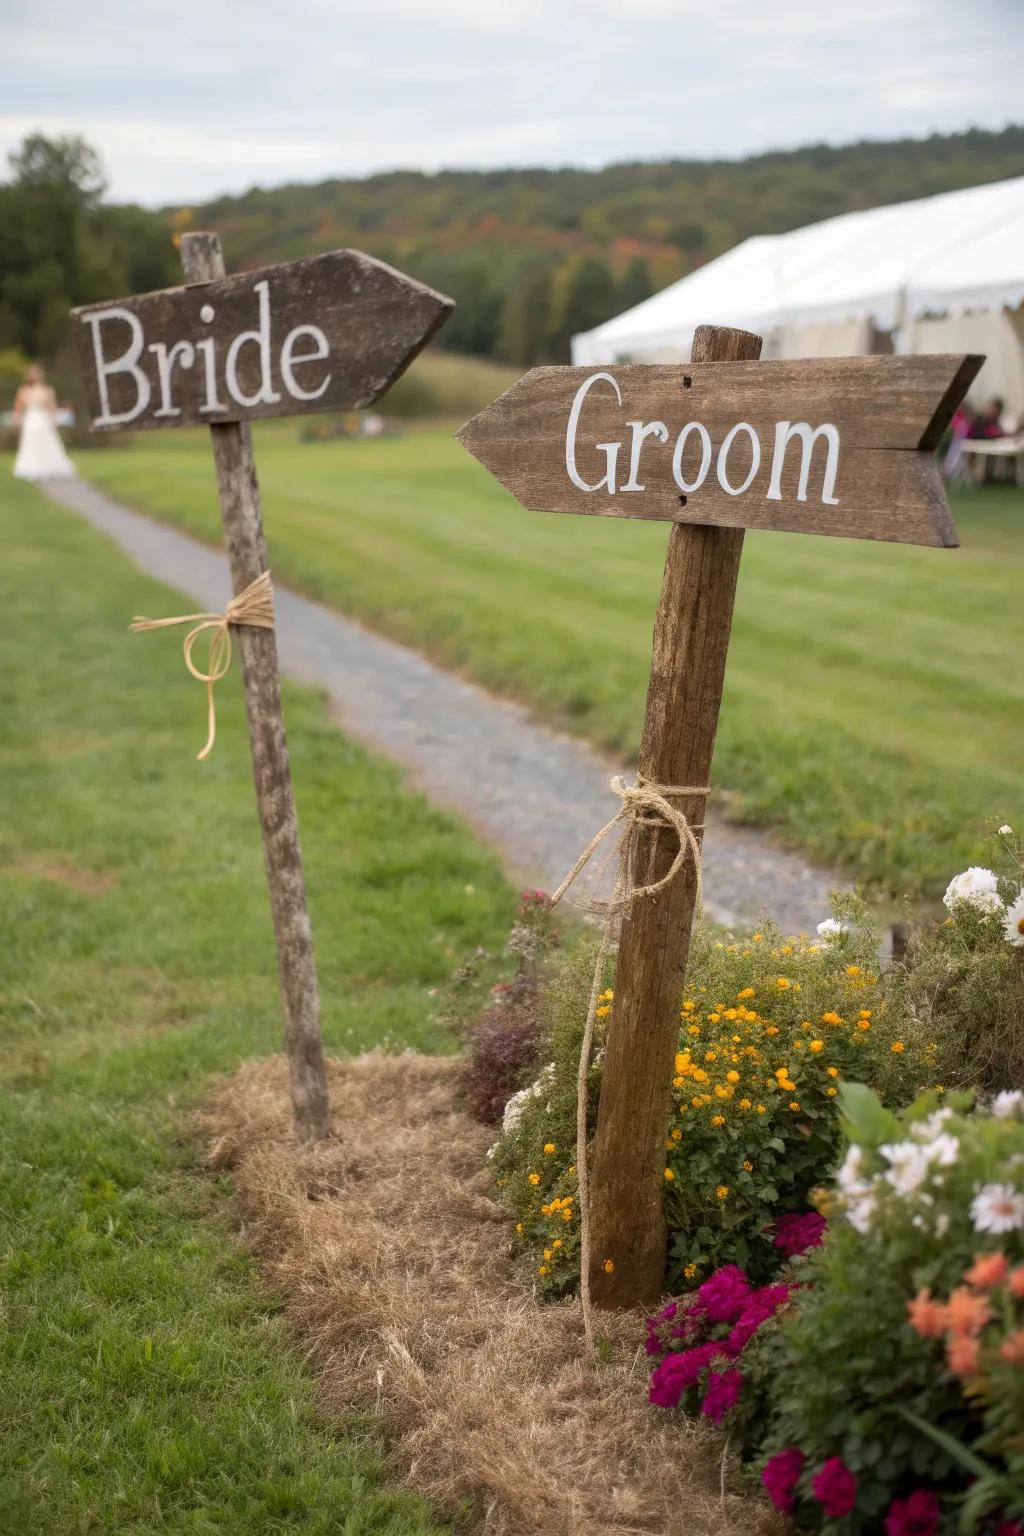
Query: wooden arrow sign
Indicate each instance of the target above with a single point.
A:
(328, 333)
(724, 443)
(827, 445)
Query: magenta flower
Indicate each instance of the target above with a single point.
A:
(723, 1297)
(761, 1305)
(917, 1516)
(723, 1393)
(835, 1488)
(780, 1477)
(678, 1373)
(799, 1231)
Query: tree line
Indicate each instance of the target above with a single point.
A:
(531, 256)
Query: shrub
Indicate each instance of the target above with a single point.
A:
(895, 1382)
(962, 983)
(769, 1028)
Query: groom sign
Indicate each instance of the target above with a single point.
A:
(332, 332)
(825, 446)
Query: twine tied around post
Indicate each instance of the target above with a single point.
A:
(643, 805)
(254, 606)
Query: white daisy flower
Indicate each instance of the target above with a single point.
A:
(928, 1128)
(908, 1166)
(997, 1208)
(860, 1211)
(942, 1150)
(977, 887)
(1005, 831)
(1008, 1104)
(831, 928)
(1013, 922)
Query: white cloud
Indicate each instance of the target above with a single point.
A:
(184, 102)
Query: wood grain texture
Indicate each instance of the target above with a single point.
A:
(691, 639)
(247, 556)
(374, 319)
(889, 413)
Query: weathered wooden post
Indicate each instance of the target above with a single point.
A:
(347, 326)
(743, 457)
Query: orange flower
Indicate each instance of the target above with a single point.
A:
(1013, 1347)
(987, 1271)
(966, 1313)
(962, 1355)
(927, 1316)
(1017, 1281)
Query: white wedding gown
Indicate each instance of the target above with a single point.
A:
(40, 450)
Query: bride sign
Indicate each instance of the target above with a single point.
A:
(329, 333)
(723, 443)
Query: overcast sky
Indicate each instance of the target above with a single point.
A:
(188, 100)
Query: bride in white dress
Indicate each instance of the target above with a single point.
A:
(40, 450)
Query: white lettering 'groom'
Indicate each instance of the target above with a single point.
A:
(126, 363)
(610, 450)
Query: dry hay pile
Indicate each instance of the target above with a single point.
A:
(396, 1268)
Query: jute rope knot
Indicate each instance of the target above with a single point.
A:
(643, 805)
(254, 606)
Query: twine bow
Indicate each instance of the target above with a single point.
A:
(643, 805)
(254, 606)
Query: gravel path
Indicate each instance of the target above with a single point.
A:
(535, 795)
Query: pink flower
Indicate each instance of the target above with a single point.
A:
(761, 1305)
(835, 1488)
(723, 1297)
(799, 1231)
(723, 1393)
(780, 1477)
(917, 1516)
(1009, 1528)
(678, 1373)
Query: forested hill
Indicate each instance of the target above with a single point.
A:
(535, 255)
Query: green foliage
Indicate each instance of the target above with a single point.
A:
(893, 783)
(487, 236)
(147, 1382)
(962, 985)
(870, 1364)
(60, 246)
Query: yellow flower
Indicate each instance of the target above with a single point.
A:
(689, 1005)
(863, 1023)
(696, 1101)
(717, 1119)
(710, 1055)
(557, 1243)
(694, 1029)
(547, 1254)
(794, 1105)
(831, 1018)
(677, 1134)
(732, 1077)
(731, 1013)
(830, 1093)
(603, 1011)
(669, 1175)
(865, 1013)
(832, 1071)
(716, 1018)
(761, 1109)
(747, 992)
(758, 938)
(782, 982)
(787, 949)
(897, 1047)
(816, 1046)
(772, 1029)
(534, 1179)
(519, 1227)
(689, 1271)
(721, 1193)
(745, 1104)
(720, 1092)
(748, 1165)
(607, 1266)
(567, 1215)
(542, 1269)
(853, 970)
(549, 1147)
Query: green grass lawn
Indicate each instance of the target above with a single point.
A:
(873, 710)
(145, 1383)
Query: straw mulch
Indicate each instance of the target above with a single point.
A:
(395, 1264)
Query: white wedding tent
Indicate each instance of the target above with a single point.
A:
(941, 274)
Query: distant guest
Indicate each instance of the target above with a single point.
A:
(989, 420)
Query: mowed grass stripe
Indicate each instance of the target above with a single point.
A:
(146, 1383)
(872, 711)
